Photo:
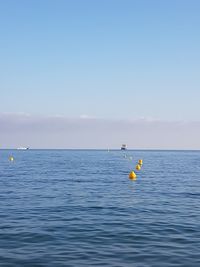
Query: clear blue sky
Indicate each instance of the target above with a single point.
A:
(103, 58)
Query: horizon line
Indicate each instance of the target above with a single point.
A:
(107, 149)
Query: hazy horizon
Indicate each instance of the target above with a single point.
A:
(25, 130)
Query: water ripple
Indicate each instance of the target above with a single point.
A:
(78, 208)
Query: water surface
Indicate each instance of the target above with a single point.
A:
(78, 208)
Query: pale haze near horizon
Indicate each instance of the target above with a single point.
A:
(96, 74)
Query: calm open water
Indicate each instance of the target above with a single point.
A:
(78, 208)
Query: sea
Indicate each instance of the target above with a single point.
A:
(79, 208)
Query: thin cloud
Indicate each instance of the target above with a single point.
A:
(87, 132)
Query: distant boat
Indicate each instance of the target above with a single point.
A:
(23, 148)
(123, 147)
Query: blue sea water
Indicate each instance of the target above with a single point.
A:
(79, 208)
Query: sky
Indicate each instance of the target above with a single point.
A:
(96, 74)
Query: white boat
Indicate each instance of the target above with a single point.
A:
(23, 148)
(123, 147)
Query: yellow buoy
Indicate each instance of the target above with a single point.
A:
(140, 161)
(138, 167)
(132, 175)
(11, 158)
